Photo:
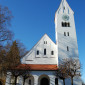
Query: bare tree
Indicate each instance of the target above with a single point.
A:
(5, 19)
(5, 34)
(22, 48)
(2, 62)
(20, 71)
(73, 68)
(26, 73)
(61, 72)
(69, 68)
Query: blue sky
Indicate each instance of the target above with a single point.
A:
(33, 18)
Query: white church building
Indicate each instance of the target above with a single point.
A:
(45, 56)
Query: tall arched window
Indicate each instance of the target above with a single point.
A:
(44, 51)
(56, 81)
(52, 52)
(67, 48)
(29, 81)
(37, 52)
(46, 42)
(68, 11)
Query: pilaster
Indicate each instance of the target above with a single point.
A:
(35, 79)
(52, 80)
(8, 78)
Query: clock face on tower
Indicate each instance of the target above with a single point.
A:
(65, 17)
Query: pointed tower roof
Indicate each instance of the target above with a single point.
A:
(64, 6)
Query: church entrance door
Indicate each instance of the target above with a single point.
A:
(44, 81)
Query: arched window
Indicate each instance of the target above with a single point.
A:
(37, 52)
(68, 33)
(52, 52)
(64, 33)
(68, 24)
(44, 51)
(64, 8)
(67, 48)
(45, 42)
(63, 24)
(29, 81)
(68, 11)
(56, 81)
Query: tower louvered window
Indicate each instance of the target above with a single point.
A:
(64, 33)
(68, 33)
(65, 24)
(68, 24)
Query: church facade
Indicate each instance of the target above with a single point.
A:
(45, 56)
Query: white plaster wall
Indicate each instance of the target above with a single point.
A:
(27, 81)
(20, 80)
(64, 41)
(51, 75)
(33, 58)
(38, 75)
(8, 78)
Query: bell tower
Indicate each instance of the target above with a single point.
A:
(65, 32)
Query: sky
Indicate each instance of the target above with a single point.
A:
(33, 18)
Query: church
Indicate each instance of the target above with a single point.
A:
(45, 56)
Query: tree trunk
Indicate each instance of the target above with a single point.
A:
(15, 80)
(23, 81)
(63, 81)
(71, 80)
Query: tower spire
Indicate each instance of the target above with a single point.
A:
(64, 3)
(64, 7)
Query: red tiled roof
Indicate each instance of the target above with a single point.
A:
(37, 67)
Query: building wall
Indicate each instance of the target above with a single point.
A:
(36, 76)
(50, 75)
(44, 43)
(64, 41)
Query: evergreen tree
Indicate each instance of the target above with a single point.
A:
(13, 59)
(13, 56)
(2, 62)
(10, 60)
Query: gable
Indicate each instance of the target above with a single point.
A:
(44, 52)
(64, 8)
